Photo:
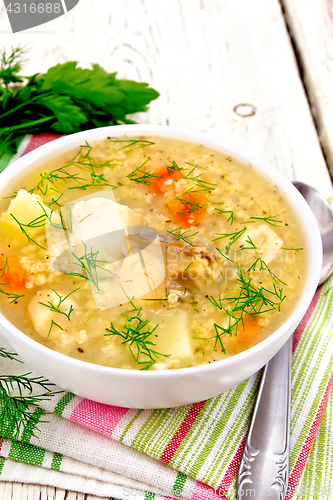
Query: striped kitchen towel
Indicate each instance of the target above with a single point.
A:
(191, 452)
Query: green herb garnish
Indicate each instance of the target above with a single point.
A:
(142, 176)
(192, 205)
(66, 99)
(90, 263)
(264, 267)
(231, 216)
(250, 300)
(57, 308)
(224, 254)
(135, 333)
(233, 237)
(183, 235)
(17, 412)
(295, 249)
(249, 242)
(38, 222)
(138, 143)
(271, 219)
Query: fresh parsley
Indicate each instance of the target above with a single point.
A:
(66, 99)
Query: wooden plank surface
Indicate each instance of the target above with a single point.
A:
(207, 58)
(311, 25)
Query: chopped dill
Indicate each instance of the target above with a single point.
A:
(250, 242)
(135, 333)
(13, 297)
(201, 184)
(96, 181)
(192, 205)
(138, 143)
(264, 267)
(142, 176)
(271, 219)
(231, 216)
(224, 254)
(5, 267)
(295, 249)
(55, 201)
(233, 237)
(183, 235)
(89, 263)
(172, 166)
(85, 217)
(57, 308)
(53, 323)
(188, 266)
(38, 222)
(250, 301)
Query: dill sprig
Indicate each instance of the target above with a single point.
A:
(56, 201)
(57, 175)
(249, 242)
(11, 65)
(89, 263)
(13, 297)
(9, 355)
(141, 176)
(17, 411)
(35, 223)
(192, 205)
(83, 161)
(66, 226)
(57, 308)
(233, 237)
(271, 219)
(250, 300)
(5, 267)
(264, 267)
(231, 216)
(295, 249)
(129, 143)
(183, 235)
(200, 183)
(53, 323)
(172, 166)
(224, 254)
(136, 333)
(96, 181)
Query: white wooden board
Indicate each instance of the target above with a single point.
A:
(206, 58)
(311, 25)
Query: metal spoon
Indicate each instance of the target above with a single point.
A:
(264, 468)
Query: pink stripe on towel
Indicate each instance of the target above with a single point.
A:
(98, 417)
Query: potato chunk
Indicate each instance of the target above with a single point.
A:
(48, 322)
(26, 208)
(268, 243)
(172, 336)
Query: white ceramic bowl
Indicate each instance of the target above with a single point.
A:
(162, 389)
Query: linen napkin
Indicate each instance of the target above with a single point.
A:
(190, 452)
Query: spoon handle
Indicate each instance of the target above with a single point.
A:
(264, 468)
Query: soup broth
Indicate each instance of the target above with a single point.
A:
(148, 253)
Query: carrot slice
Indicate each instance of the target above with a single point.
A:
(12, 272)
(188, 208)
(165, 179)
(246, 336)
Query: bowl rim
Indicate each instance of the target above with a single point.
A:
(296, 201)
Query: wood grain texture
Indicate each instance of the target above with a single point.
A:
(311, 25)
(206, 58)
